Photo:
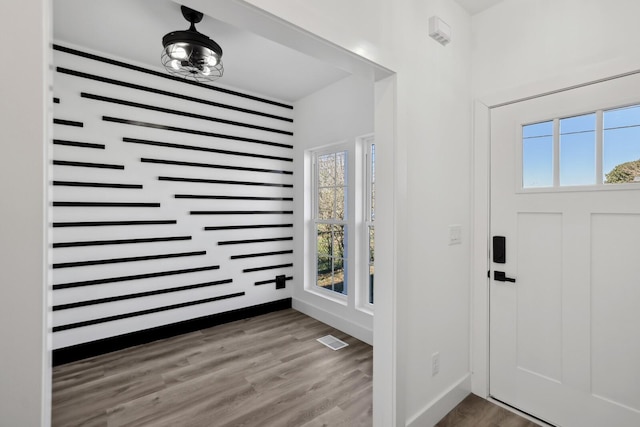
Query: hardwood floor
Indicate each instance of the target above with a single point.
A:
(264, 371)
(474, 411)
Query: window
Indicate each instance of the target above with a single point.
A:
(330, 220)
(621, 145)
(341, 231)
(370, 215)
(537, 155)
(589, 150)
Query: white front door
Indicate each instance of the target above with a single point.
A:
(565, 336)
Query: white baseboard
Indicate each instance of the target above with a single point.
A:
(442, 405)
(353, 329)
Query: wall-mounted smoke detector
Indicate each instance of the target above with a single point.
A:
(439, 30)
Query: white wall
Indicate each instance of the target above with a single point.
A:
(432, 163)
(549, 44)
(341, 112)
(525, 48)
(24, 120)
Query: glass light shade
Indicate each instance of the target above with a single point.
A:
(213, 60)
(177, 51)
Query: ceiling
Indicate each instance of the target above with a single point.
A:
(133, 30)
(477, 6)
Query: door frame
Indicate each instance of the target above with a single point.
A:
(481, 197)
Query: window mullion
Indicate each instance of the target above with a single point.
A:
(599, 146)
(556, 152)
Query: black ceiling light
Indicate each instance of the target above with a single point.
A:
(191, 54)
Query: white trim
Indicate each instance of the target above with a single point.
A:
(353, 329)
(443, 404)
(572, 79)
(556, 154)
(336, 297)
(388, 381)
(599, 178)
(480, 250)
(362, 291)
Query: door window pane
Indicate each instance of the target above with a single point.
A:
(621, 145)
(537, 155)
(578, 150)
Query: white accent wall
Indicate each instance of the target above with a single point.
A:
(165, 209)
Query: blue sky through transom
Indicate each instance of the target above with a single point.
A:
(621, 143)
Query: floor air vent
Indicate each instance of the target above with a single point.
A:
(332, 342)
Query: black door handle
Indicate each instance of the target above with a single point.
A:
(499, 276)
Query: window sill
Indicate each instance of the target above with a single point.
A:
(366, 310)
(330, 295)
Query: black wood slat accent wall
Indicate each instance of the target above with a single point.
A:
(167, 93)
(171, 200)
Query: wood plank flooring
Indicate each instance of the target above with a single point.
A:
(474, 411)
(264, 371)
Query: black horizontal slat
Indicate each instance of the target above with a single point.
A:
(143, 312)
(139, 295)
(269, 267)
(96, 184)
(246, 227)
(213, 197)
(241, 212)
(222, 181)
(107, 204)
(165, 75)
(266, 282)
(193, 131)
(68, 123)
(239, 242)
(112, 223)
(204, 149)
(213, 166)
(87, 165)
(181, 113)
(166, 93)
(78, 144)
(132, 277)
(261, 254)
(119, 241)
(127, 259)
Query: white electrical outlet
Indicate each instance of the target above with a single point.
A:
(455, 234)
(435, 364)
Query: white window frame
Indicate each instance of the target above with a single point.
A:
(365, 143)
(357, 222)
(311, 286)
(599, 153)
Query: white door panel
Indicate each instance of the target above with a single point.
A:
(565, 337)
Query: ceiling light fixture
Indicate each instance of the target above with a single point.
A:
(191, 54)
